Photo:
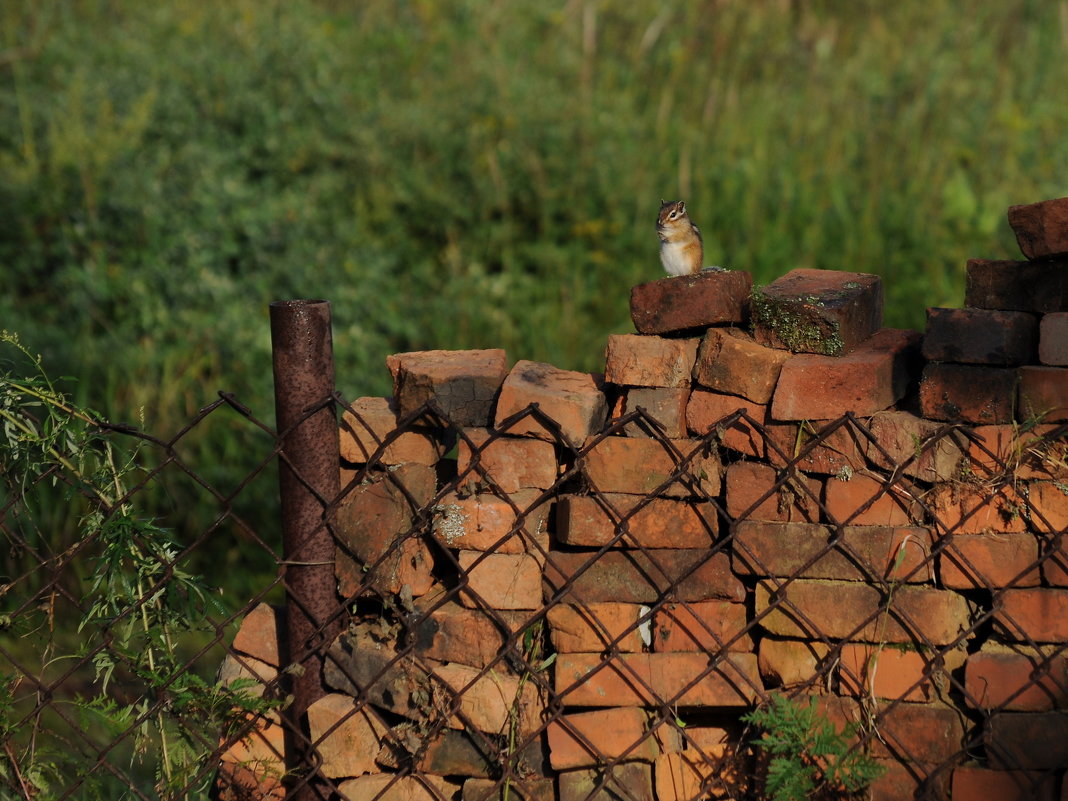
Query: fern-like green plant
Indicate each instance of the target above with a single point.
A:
(809, 758)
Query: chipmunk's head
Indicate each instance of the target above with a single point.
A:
(671, 211)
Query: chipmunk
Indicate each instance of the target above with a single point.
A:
(682, 251)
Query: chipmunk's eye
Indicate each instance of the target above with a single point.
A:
(673, 215)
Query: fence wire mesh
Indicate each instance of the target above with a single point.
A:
(527, 617)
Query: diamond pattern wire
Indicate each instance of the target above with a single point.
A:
(525, 618)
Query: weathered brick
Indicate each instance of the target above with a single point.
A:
(486, 700)
(862, 500)
(782, 549)
(871, 377)
(974, 509)
(477, 523)
(644, 577)
(510, 463)
(464, 383)
(972, 783)
(1028, 740)
(749, 482)
(394, 787)
(661, 523)
(920, 446)
(345, 738)
(1053, 339)
(1026, 452)
(594, 626)
(710, 297)
(1041, 614)
(838, 609)
(453, 633)
(908, 781)
(1017, 679)
(980, 336)
(828, 312)
(706, 409)
(502, 581)
(1055, 568)
(590, 738)
(689, 775)
(1043, 393)
(367, 424)
(635, 360)
(652, 679)
(235, 667)
(814, 450)
(667, 406)
(978, 561)
(703, 626)
(1041, 228)
(454, 752)
(732, 361)
(629, 781)
(787, 663)
(259, 632)
(1017, 285)
(924, 733)
(640, 466)
(374, 529)
(253, 767)
(573, 400)
(965, 392)
(873, 671)
(518, 789)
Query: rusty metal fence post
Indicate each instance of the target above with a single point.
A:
(309, 480)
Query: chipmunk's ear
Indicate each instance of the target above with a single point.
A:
(682, 207)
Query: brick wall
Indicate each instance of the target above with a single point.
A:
(568, 586)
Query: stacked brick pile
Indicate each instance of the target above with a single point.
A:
(640, 557)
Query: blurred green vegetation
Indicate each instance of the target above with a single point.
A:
(482, 173)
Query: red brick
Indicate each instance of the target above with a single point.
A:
(837, 609)
(518, 789)
(1019, 680)
(783, 549)
(1028, 740)
(845, 502)
(970, 393)
(708, 298)
(917, 445)
(732, 361)
(253, 767)
(828, 312)
(453, 633)
(640, 466)
(502, 581)
(1033, 452)
(661, 523)
(980, 336)
(258, 634)
(1055, 568)
(477, 523)
(632, 781)
(634, 360)
(463, 382)
(873, 671)
(667, 406)
(706, 409)
(374, 528)
(591, 738)
(652, 679)
(1041, 228)
(394, 787)
(510, 463)
(241, 666)
(454, 752)
(643, 577)
(573, 400)
(704, 626)
(871, 377)
(1044, 393)
(909, 781)
(1041, 613)
(814, 450)
(709, 774)
(976, 509)
(1053, 339)
(1017, 285)
(367, 424)
(787, 663)
(924, 733)
(972, 783)
(978, 561)
(748, 482)
(487, 700)
(347, 740)
(594, 626)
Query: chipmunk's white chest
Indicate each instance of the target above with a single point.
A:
(677, 258)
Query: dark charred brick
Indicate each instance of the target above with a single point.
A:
(710, 297)
(980, 336)
(1017, 285)
(967, 392)
(1041, 228)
